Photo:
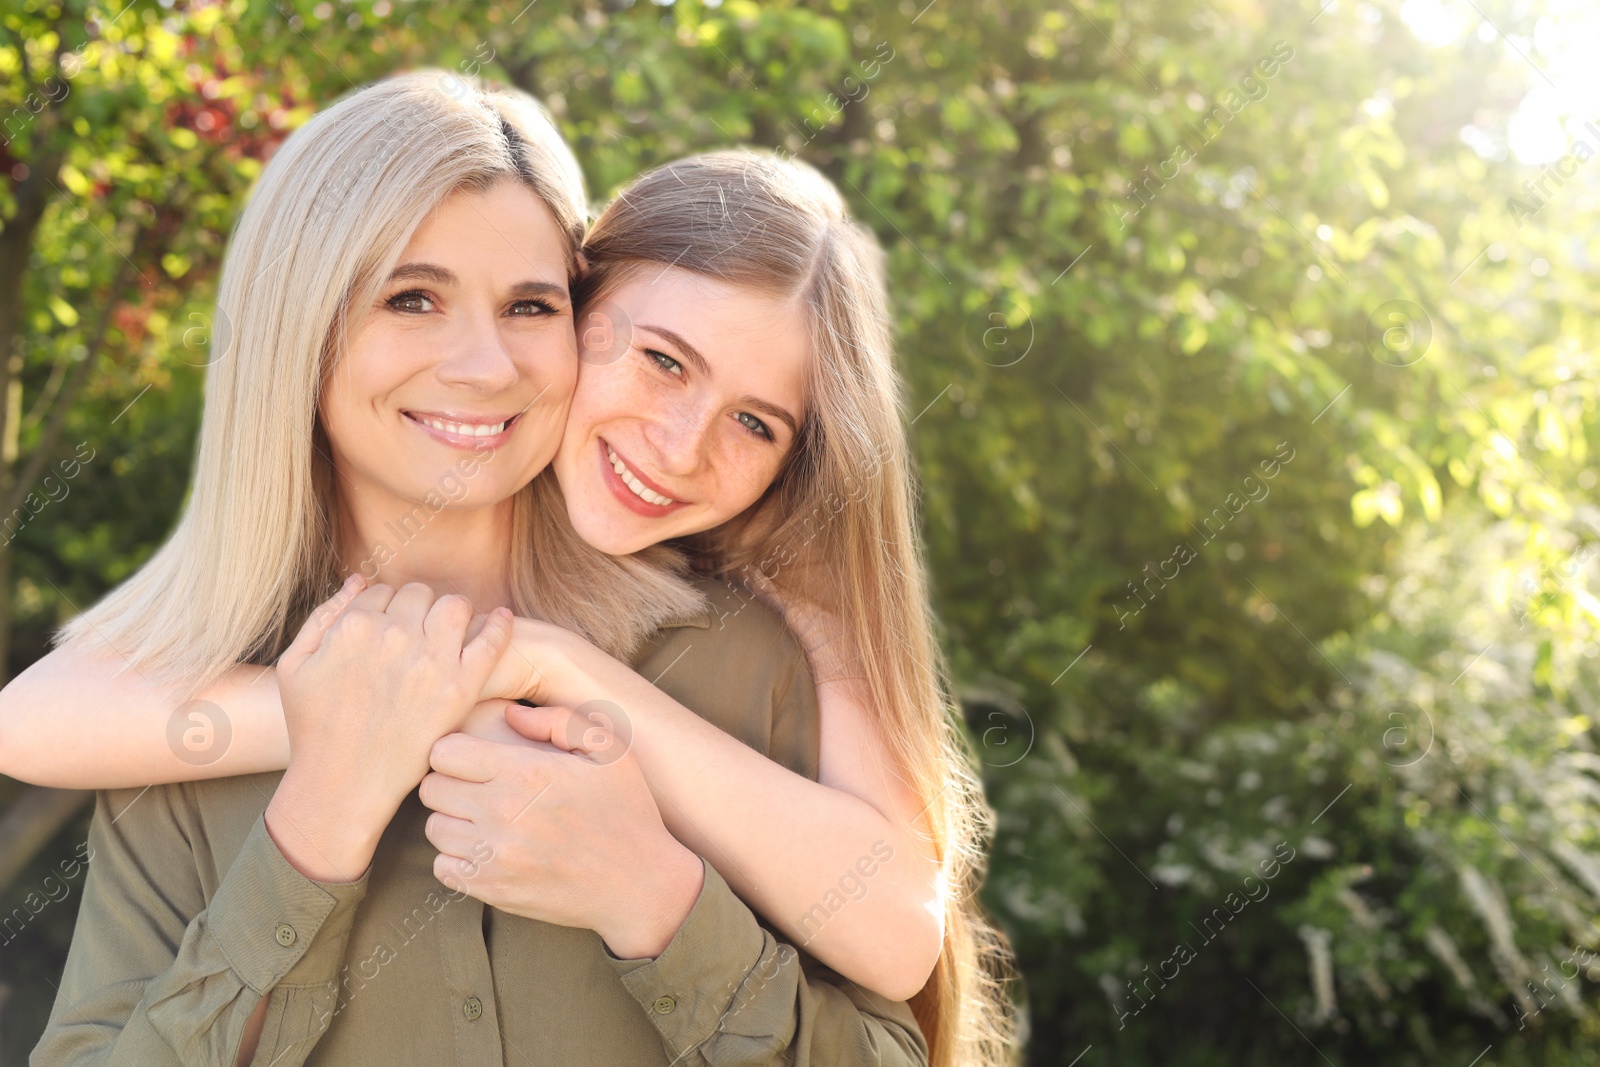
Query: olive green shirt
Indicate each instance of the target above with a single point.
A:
(191, 915)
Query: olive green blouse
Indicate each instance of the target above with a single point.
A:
(191, 915)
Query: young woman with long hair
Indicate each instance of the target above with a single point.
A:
(832, 537)
(695, 273)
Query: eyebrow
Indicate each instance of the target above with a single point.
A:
(428, 272)
(692, 354)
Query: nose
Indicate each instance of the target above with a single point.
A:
(477, 358)
(680, 434)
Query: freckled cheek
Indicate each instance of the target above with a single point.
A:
(614, 392)
(744, 471)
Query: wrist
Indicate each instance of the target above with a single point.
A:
(559, 664)
(326, 834)
(531, 666)
(649, 925)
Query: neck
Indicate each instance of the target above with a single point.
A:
(451, 550)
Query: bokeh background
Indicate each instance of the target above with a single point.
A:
(1251, 359)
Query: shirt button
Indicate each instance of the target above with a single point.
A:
(473, 1008)
(664, 1005)
(285, 934)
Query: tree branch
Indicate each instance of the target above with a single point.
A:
(51, 434)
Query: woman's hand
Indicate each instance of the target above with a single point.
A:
(560, 837)
(517, 673)
(487, 720)
(546, 664)
(373, 679)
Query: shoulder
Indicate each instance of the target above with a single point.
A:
(736, 611)
(738, 667)
(197, 826)
(734, 621)
(206, 808)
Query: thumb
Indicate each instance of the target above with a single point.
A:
(553, 725)
(483, 651)
(321, 620)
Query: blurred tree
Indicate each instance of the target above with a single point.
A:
(1248, 412)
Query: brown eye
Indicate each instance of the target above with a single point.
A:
(412, 303)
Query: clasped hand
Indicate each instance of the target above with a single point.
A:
(537, 815)
(558, 824)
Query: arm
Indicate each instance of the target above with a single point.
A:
(594, 853)
(734, 995)
(118, 721)
(158, 975)
(797, 850)
(128, 729)
(144, 980)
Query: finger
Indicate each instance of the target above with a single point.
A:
(496, 729)
(598, 743)
(449, 795)
(487, 719)
(374, 597)
(482, 654)
(447, 619)
(463, 756)
(321, 620)
(604, 725)
(451, 835)
(410, 605)
(494, 635)
(554, 725)
(597, 729)
(455, 873)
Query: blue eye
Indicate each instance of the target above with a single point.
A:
(665, 362)
(754, 425)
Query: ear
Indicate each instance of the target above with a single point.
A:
(581, 262)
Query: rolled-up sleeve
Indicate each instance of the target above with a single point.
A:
(726, 993)
(157, 974)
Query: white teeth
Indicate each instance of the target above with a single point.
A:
(462, 428)
(640, 490)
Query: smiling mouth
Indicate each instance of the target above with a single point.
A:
(463, 429)
(631, 480)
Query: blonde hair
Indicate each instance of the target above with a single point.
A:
(257, 547)
(837, 528)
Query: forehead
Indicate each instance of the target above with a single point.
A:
(504, 227)
(714, 314)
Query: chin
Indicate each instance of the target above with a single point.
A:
(625, 544)
(599, 534)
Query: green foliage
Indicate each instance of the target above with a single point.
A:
(1113, 327)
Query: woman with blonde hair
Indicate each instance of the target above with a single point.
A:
(815, 509)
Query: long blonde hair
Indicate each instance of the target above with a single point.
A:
(837, 528)
(257, 547)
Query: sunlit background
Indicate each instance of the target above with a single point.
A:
(1250, 351)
